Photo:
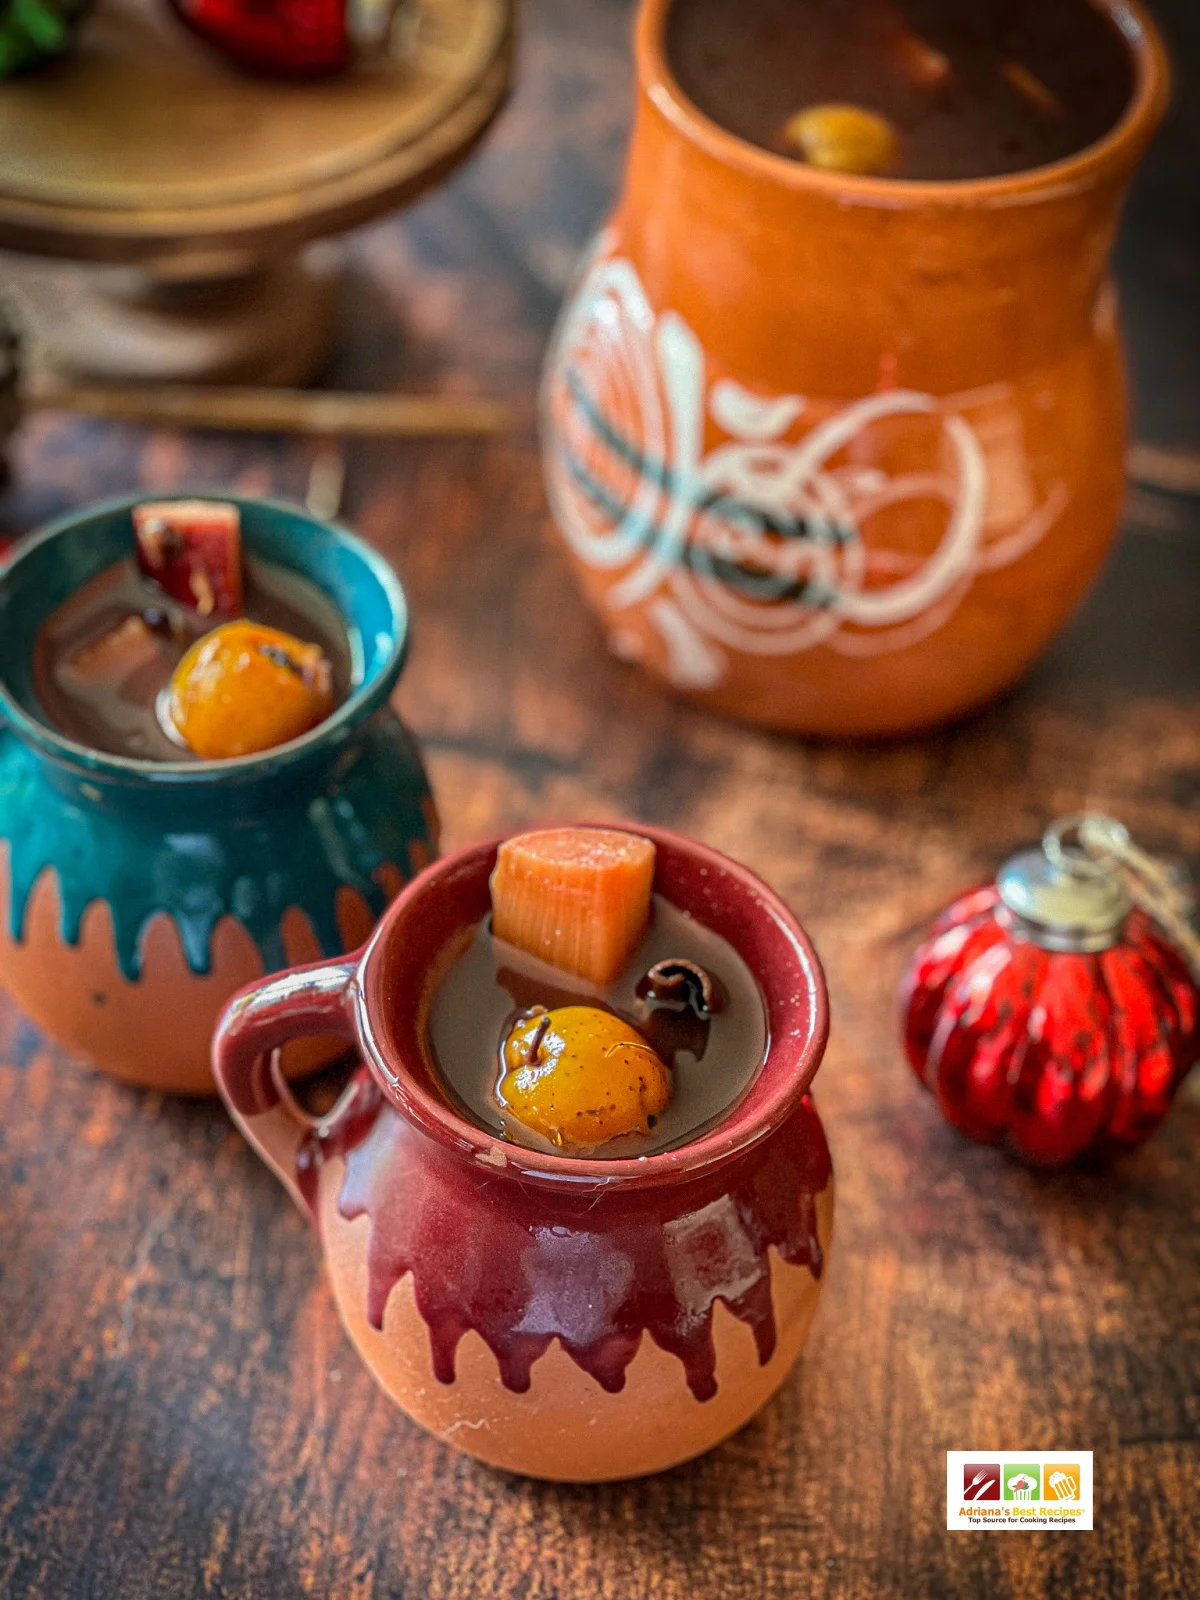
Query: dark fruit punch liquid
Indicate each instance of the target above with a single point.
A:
(713, 1062)
(973, 88)
(116, 711)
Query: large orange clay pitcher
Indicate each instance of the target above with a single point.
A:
(840, 454)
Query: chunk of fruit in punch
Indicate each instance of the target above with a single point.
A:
(842, 139)
(193, 550)
(245, 688)
(114, 657)
(580, 1076)
(578, 898)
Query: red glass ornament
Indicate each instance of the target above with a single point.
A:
(1048, 1013)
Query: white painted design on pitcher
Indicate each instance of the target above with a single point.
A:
(863, 534)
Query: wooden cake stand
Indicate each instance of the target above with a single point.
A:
(194, 193)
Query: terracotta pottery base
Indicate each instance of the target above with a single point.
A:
(154, 1033)
(566, 1427)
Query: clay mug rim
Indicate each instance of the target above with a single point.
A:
(376, 999)
(384, 655)
(1118, 149)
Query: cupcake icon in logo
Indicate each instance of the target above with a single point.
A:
(1022, 1481)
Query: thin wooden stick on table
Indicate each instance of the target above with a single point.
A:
(275, 410)
(1173, 471)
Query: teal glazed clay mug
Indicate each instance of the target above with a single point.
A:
(136, 896)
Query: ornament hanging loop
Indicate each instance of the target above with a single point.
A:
(1089, 843)
(1085, 844)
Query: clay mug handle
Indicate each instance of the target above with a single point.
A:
(318, 998)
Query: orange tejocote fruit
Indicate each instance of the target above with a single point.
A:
(578, 898)
(842, 139)
(244, 688)
(580, 1076)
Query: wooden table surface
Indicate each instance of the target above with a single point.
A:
(180, 1414)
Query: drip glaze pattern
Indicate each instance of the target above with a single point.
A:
(605, 1271)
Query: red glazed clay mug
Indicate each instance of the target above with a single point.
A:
(559, 1317)
(833, 454)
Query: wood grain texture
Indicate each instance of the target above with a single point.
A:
(180, 1414)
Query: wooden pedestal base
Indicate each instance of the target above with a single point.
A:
(156, 199)
(266, 323)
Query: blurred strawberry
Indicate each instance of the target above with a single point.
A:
(296, 38)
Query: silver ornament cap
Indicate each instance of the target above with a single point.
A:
(1066, 896)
